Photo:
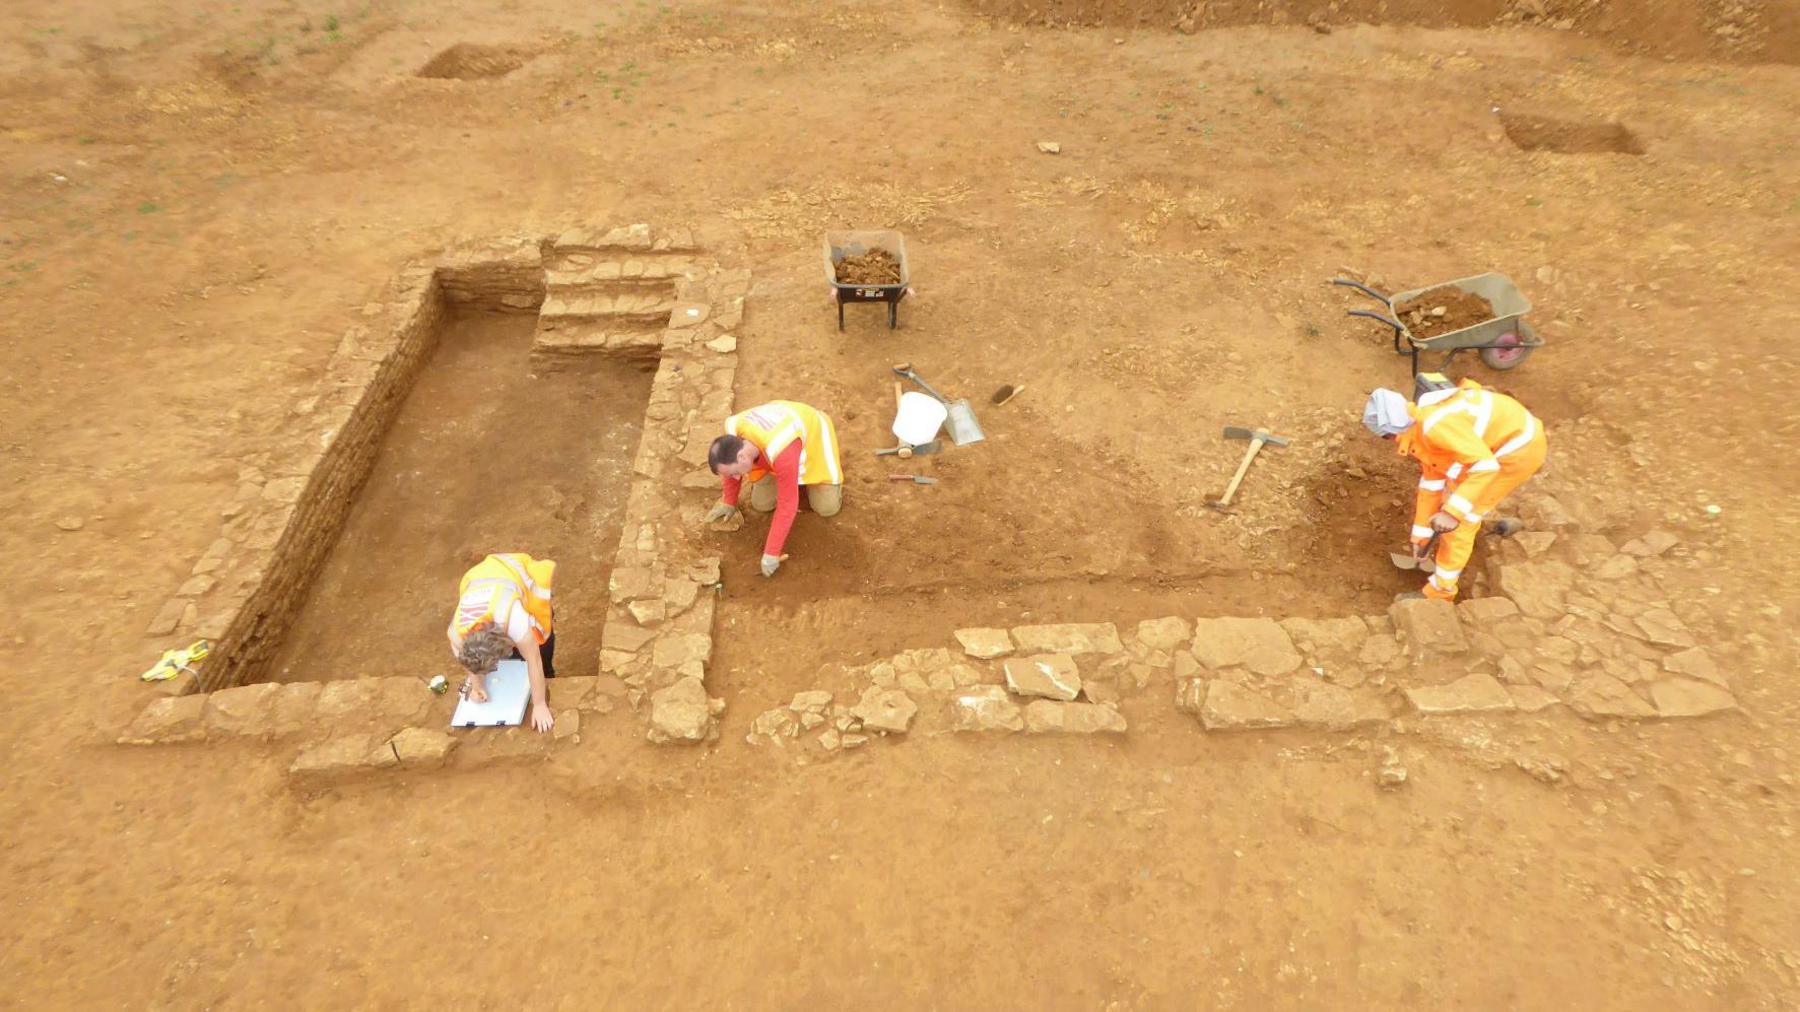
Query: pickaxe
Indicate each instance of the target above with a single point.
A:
(1257, 438)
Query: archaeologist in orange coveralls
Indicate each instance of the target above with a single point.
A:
(503, 610)
(777, 448)
(1473, 446)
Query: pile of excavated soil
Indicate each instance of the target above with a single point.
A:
(876, 267)
(1443, 310)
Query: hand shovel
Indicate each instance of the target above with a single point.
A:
(1424, 562)
(964, 429)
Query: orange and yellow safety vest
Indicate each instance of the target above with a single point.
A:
(1461, 439)
(489, 589)
(774, 426)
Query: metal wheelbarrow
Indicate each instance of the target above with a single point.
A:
(1505, 340)
(839, 245)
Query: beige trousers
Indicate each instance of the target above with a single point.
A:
(825, 500)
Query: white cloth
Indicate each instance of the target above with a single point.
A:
(518, 621)
(1386, 414)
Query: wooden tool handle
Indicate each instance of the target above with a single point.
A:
(897, 392)
(1243, 469)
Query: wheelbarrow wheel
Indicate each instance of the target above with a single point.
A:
(1510, 353)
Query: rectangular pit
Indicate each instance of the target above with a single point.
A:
(481, 457)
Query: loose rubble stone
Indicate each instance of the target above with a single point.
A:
(1052, 676)
(1695, 662)
(1428, 627)
(1045, 716)
(1616, 568)
(1068, 638)
(885, 710)
(1166, 634)
(985, 708)
(773, 725)
(723, 345)
(68, 523)
(1602, 695)
(962, 675)
(1229, 706)
(570, 691)
(1474, 693)
(168, 618)
(852, 740)
(418, 746)
(681, 712)
(341, 757)
(169, 719)
(1534, 544)
(1099, 692)
(1531, 699)
(1686, 697)
(1379, 652)
(1552, 676)
(831, 739)
(568, 724)
(812, 699)
(1258, 644)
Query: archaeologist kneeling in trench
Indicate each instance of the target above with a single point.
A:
(1473, 447)
(503, 610)
(778, 447)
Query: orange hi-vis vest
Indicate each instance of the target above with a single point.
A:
(489, 589)
(772, 427)
(1462, 438)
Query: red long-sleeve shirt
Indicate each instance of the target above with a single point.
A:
(786, 468)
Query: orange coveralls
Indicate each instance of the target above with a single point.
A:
(1473, 447)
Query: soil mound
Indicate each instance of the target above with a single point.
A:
(1443, 310)
(876, 267)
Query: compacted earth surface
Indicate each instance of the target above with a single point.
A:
(1132, 210)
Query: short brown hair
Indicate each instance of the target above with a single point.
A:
(724, 450)
(483, 649)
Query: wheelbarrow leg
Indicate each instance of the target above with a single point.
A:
(840, 302)
(893, 313)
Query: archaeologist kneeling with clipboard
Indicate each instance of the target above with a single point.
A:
(503, 610)
(777, 448)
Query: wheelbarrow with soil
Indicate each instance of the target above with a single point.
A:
(867, 265)
(1484, 313)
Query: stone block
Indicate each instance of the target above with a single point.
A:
(1476, 693)
(812, 700)
(647, 613)
(166, 720)
(1068, 638)
(1379, 652)
(1327, 637)
(1652, 544)
(168, 618)
(985, 643)
(1228, 706)
(1482, 612)
(1540, 588)
(1331, 707)
(1428, 627)
(244, 710)
(679, 594)
(885, 710)
(568, 725)
(625, 637)
(1687, 697)
(1257, 644)
(570, 691)
(681, 712)
(1616, 568)
(1049, 716)
(1052, 676)
(681, 648)
(1599, 695)
(1660, 626)
(985, 708)
(1531, 698)
(1695, 662)
(418, 746)
(341, 758)
(629, 583)
(1165, 634)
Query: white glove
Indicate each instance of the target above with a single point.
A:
(721, 511)
(770, 563)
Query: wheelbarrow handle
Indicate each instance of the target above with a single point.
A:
(1365, 289)
(1373, 315)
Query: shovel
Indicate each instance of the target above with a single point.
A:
(964, 429)
(916, 479)
(1424, 562)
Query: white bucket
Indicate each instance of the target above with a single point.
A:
(919, 419)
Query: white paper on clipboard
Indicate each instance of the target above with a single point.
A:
(508, 689)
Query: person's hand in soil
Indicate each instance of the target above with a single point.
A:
(541, 718)
(721, 512)
(770, 563)
(476, 688)
(1443, 522)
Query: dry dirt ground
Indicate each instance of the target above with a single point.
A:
(196, 203)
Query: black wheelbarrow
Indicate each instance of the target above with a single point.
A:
(839, 245)
(1505, 340)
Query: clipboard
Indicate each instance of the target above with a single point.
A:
(508, 688)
